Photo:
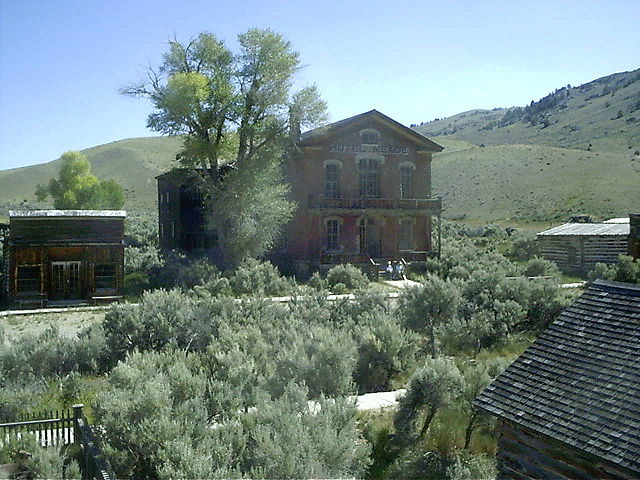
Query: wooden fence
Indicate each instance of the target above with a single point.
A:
(63, 427)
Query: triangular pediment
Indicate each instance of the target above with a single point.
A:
(370, 119)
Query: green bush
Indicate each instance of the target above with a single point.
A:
(253, 277)
(539, 267)
(351, 277)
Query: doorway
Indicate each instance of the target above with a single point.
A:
(65, 280)
(369, 237)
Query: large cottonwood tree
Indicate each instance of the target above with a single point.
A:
(236, 112)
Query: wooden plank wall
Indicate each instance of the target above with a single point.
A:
(525, 455)
(88, 255)
(55, 230)
(589, 250)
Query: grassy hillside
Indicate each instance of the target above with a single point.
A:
(132, 162)
(533, 183)
(602, 115)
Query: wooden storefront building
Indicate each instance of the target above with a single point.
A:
(65, 256)
(579, 246)
(363, 191)
(569, 406)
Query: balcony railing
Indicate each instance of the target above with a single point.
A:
(433, 204)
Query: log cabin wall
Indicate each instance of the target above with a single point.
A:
(582, 252)
(524, 454)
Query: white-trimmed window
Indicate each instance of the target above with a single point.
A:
(406, 179)
(333, 228)
(370, 136)
(369, 175)
(332, 182)
(405, 240)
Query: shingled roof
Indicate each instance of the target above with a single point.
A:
(579, 382)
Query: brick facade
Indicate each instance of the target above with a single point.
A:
(370, 177)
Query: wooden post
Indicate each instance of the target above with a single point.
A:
(77, 415)
(439, 234)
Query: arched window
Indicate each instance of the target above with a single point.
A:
(369, 169)
(369, 136)
(332, 184)
(333, 234)
(406, 181)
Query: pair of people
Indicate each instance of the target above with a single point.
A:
(395, 271)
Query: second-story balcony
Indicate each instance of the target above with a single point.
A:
(427, 206)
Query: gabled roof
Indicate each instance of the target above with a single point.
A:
(587, 229)
(332, 129)
(579, 382)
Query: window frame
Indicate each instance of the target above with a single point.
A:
(113, 277)
(407, 170)
(369, 184)
(333, 239)
(37, 279)
(332, 186)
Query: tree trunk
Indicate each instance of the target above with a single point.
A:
(427, 421)
(471, 426)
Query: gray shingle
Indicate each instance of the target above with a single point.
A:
(579, 382)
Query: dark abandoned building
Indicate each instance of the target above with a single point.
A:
(363, 190)
(569, 406)
(182, 219)
(64, 256)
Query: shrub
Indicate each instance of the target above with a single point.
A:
(539, 267)
(253, 277)
(351, 277)
(385, 351)
(430, 387)
(47, 354)
(424, 308)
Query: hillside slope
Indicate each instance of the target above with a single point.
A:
(133, 163)
(533, 183)
(602, 115)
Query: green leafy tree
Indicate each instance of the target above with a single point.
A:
(431, 387)
(424, 308)
(78, 189)
(236, 113)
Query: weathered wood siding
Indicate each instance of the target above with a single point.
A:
(89, 256)
(582, 252)
(55, 230)
(525, 455)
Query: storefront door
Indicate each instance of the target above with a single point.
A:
(65, 280)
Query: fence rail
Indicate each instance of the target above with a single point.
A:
(59, 428)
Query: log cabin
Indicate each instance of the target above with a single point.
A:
(579, 246)
(60, 257)
(569, 406)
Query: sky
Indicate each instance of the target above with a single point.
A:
(62, 62)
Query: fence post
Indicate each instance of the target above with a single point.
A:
(77, 415)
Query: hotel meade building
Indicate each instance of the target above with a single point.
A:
(363, 190)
